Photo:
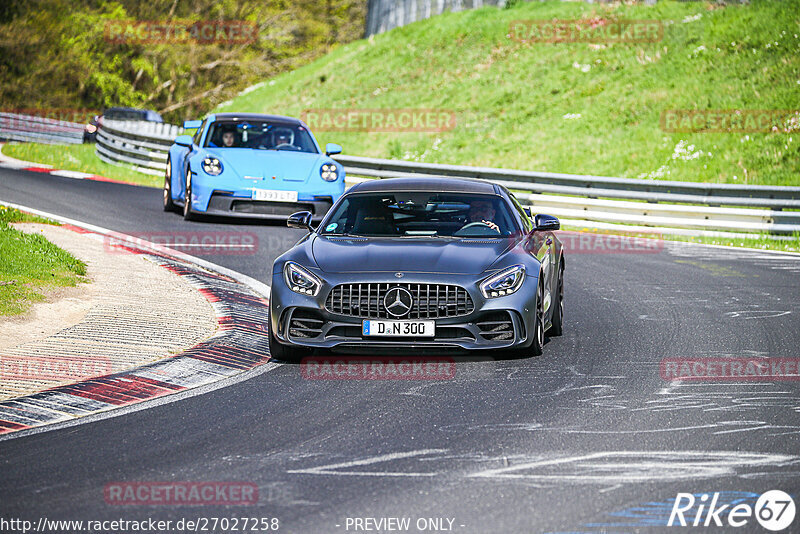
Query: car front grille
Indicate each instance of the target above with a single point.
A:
(270, 208)
(431, 301)
(225, 202)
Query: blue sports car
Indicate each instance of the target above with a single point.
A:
(251, 165)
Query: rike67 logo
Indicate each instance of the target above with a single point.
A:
(774, 510)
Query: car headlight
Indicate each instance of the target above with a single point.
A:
(299, 280)
(503, 283)
(329, 172)
(212, 166)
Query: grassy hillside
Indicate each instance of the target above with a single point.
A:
(577, 107)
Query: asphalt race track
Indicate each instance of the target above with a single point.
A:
(586, 438)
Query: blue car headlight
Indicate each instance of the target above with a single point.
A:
(329, 172)
(300, 280)
(503, 283)
(212, 166)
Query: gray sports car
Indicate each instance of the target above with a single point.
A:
(419, 264)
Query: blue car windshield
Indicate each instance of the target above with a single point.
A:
(421, 214)
(261, 135)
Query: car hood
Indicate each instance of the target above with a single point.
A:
(457, 256)
(269, 164)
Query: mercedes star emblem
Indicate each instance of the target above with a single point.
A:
(399, 275)
(398, 301)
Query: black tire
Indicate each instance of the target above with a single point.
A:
(285, 353)
(537, 345)
(169, 205)
(557, 327)
(188, 214)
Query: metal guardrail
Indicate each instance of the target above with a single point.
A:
(596, 201)
(584, 200)
(28, 128)
(143, 145)
(586, 185)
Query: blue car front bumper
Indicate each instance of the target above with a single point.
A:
(228, 205)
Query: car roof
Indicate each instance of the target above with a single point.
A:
(149, 114)
(448, 185)
(255, 116)
(138, 110)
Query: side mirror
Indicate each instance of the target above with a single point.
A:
(332, 148)
(184, 140)
(191, 125)
(301, 219)
(546, 223)
(527, 211)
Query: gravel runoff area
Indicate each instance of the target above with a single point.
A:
(132, 312)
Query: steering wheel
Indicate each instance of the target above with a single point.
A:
(484, 228)
(286, 145)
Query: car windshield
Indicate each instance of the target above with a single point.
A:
(262, 135)
(421, 214)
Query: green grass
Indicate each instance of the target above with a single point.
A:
(31, 266)
(78, 158)
(511, 98)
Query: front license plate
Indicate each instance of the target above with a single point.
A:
(399, 328)
(271, 195)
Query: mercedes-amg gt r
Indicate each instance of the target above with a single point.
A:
(419, 264)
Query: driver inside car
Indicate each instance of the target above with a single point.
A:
(482, 211)
(283, 137)
(228, 138)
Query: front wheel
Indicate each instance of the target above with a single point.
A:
(557, 327)
(285, 352)
(188, 214)
(169, 205)
(537, 345)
